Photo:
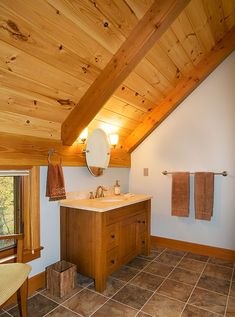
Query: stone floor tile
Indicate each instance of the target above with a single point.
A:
(174, 252)
(38, 306)
(232, 291)
(125, 273)
(192, 311)
(184, 276)
(148, 281)
(198, 257)
(158, 268)
(191, 265)
(133, 296)
(161, 306)
(114, 309)
(142, 314)
(214, 284)
(231, 307)
(85, 302)
(60, 300)
(221, 262)
(62, 312)
(84, 281)
(217, 271)
(138, 263)
(158, 249)
(175, 290)
(208, 300)
(112, 286)
(168, 259)
(153, 254)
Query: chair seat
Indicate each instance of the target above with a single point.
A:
(12, 276)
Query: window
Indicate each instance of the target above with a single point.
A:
(19, 209)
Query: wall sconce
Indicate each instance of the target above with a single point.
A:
(83, 136)
(113, 140)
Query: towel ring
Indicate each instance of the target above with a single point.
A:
(50, 153)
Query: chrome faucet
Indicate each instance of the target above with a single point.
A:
(99, 192)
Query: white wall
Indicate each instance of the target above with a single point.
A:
(76, 179)
(198, 136)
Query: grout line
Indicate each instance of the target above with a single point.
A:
(173, 267)
(194, 288)
(207, 310)
(230, 287)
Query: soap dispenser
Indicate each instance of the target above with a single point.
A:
(117, 188)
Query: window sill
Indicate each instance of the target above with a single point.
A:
(8, 256)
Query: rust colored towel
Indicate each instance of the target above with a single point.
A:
(203, 195)
(180, 194)
(55, 182)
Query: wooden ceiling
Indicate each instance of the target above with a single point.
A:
(122, 65)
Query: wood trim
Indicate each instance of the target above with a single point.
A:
(202, 249)
(147, 32)
(35, 282)
(182, 90)
(25, 150)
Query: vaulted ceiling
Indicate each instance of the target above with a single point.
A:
(122, 65)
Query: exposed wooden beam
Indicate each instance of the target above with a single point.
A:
(182, 90)
(149, 29)
(25, 150)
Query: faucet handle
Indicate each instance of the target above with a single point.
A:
(91, 195)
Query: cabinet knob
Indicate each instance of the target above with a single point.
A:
(112, 261)
(143, 222)
(112, 236)
(143, 241)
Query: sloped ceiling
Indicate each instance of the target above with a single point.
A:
(53, 51)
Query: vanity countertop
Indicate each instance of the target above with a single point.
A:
(105, 203)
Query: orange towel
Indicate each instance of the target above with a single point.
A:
(55, 182)
(203, 195)
(180, 194)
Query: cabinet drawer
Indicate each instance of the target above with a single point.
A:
(142, 222)
(116, 215)
(112, 261)
(112, 236)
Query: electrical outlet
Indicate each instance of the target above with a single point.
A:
(146, 171)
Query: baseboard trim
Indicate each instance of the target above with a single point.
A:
(225, 254)
(35, 282)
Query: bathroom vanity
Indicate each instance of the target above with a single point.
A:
(100, 235)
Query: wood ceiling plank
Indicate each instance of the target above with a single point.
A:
(188, 39)
(159, 59)
(116, 119)
(109, 128)
(199, 21)
(55, 25)
(21, 103)
(25, 125)
(38, 91)
(16, 61)
(140, 7)
(34, 151)
(172, 46)
(229, 13)
(119, 14)
(123, 108)
(85, 15)
(50, 51)
(215, 15)
(141, 39)
(146, 70)
(135, 81)
(133, 98)
(182, 90)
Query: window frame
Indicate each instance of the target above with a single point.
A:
(31, 215)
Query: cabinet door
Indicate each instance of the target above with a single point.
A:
(128, 241)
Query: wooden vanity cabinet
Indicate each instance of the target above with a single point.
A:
(100, 242)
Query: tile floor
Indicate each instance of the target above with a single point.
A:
(168, 283)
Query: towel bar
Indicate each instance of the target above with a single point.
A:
(224, 173)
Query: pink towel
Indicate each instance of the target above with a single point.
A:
(203, 195)
(180, 194)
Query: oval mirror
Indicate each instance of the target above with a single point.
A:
(97, 152)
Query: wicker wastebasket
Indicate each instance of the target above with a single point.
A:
(61, 278)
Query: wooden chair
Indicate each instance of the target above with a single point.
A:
(14, 277)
